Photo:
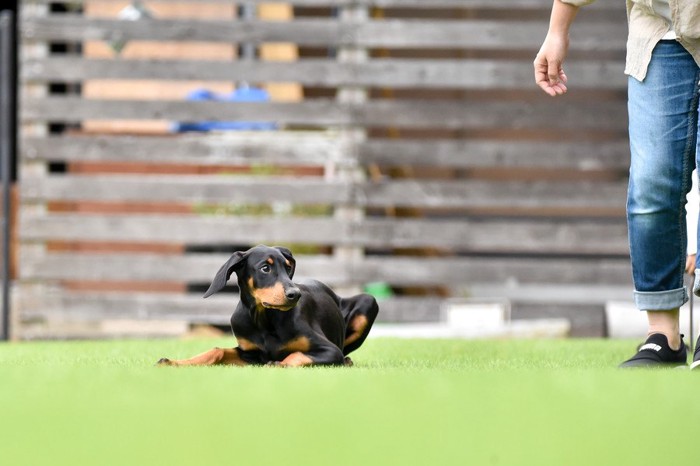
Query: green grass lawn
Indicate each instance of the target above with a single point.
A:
(423, 402)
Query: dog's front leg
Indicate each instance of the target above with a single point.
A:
(329, 355)
(297, 359)
(212, 357)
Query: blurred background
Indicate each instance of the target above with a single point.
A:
(398, 147)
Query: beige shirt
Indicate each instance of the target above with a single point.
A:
(646, 28)
(663, 8)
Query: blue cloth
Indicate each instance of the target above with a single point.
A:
(243, 94)
(663, 131)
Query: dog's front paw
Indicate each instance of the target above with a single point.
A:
(348, 362)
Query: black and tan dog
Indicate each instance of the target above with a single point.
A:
(280, 322)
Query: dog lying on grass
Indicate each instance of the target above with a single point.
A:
(284, 323)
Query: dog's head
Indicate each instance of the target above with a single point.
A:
(264, 274)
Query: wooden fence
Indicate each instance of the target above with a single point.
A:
(420, 155)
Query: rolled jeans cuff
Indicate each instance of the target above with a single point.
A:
(662, 300)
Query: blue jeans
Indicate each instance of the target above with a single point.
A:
(663, 131)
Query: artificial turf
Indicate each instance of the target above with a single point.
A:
(423, 402)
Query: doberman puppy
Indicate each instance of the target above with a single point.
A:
(284, 323)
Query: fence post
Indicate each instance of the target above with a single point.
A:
(7, 117)
(350, 171)
(31, 169)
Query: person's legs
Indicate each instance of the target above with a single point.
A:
(666, 323)
(663, 134)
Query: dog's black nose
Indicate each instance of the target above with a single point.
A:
(292, 294)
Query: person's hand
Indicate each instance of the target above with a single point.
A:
(549, 74)
(690, 264)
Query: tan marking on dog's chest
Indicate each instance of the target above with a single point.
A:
(297, 345)
(247, 345)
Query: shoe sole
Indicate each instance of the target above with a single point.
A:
(695, 364)
(645, 364)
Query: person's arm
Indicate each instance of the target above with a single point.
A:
(549, 74)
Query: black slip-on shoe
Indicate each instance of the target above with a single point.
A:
(696, 357)
(655, 352)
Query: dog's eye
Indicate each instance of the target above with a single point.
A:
(265, 268)
(289, 270)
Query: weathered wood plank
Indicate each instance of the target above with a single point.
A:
(394, 73)
(202, 189)
(533, 301)
(603, 115)
(192, 229)
(232, 148)
(587, 319)
(474, 235)
(503, 154)
(473, 34)
(484, 194)
(401, 271)
(432, 4)
(216, 310)
(326, 113)
(239, 189)
(195, 189)
(319, 148)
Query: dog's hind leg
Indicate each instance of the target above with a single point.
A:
(359, 313)
(215, 356)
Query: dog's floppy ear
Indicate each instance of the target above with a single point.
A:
(288, 255)
(225, 272)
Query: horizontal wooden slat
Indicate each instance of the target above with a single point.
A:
(192, 229)
(481, 34)
(486, 235)
(602, 115)
(292, 148)
(540, 301)
(76, 109)
(394, 73)
(232, 148)
(580, 155)
(404, 271)
(239, 189)
(527, 4)
(586, 319)
(195, 189)
(215, 310)
(481, 194)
